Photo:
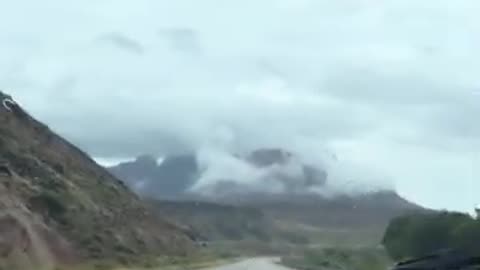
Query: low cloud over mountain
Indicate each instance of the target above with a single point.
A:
(219, 174)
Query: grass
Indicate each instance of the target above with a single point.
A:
(339, 259)
(201, 259)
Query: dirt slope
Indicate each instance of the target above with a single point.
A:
(58, 205)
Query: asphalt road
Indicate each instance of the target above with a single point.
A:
(253, 264)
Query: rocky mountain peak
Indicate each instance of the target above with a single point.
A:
(268, 157)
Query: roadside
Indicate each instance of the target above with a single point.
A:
(198, 260)
(184, 265)
(338, 259)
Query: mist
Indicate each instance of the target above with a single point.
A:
(219, 167)
(388, 88)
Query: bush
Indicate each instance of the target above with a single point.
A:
(420, 234)
(339, 259)
(49, 203)
(467, 236)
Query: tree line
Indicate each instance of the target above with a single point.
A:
(423, 233)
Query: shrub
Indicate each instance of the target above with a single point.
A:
(420, 234)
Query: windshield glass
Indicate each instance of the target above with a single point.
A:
(288, 128)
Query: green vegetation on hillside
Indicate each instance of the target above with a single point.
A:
(339, 258)
(420, 234)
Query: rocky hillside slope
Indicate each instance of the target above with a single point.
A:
(58, 206)
(216, 222)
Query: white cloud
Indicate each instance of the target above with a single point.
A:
(387, 84)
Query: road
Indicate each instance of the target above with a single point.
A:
(253, 264)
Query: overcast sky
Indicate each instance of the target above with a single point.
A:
(391, 86)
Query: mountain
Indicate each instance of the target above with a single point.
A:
(268, 157)
(169, 179)
(221, 222)
(286, 191)
(215, 222)
(175, 175)
(280, 219)
(277, 179)
(344, 211)
(59, 207)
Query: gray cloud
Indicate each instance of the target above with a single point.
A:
(388, 86)
(123, 42)
(220, 167)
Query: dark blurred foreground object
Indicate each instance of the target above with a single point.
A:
(441, 260)
(412, 236)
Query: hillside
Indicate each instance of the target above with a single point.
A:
(217, 222)
(358, 220)
(59, 207)
(295, 213)
(295, 200)
(353, 211)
